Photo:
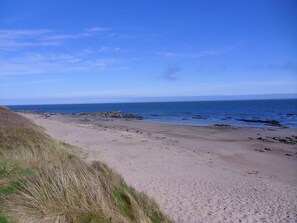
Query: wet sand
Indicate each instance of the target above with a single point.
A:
(196, 174)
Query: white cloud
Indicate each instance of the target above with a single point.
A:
(107, 49)
(20, 33)
(169, 54)
(47, 81)
(13, 39)
(62, 36)
(88, 32)
(13, 45)
(120, 36)
(96, 29)
(19, 63)
(103, 63)
(198, 54)
(59, 63)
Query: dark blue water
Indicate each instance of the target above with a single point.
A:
(190, 113)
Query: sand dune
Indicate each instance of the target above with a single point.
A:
(197, 174)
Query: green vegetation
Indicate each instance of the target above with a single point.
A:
(42, 180)
(3, 219)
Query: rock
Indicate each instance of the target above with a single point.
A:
(222, 125)
(287, 140)
(266, 122)
(114, 114)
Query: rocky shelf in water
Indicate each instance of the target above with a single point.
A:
(266, 122)
(113, 114)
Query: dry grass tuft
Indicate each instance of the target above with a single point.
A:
(42, 180)
(61, 194)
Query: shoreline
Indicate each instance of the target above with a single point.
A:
(118, 115)
(197, 174)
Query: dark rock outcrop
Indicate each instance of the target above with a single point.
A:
(113, 114)
(266, 122)
(222, 125)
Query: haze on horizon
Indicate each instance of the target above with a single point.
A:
(101, 51)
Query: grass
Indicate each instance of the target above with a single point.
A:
(3, 219)
(43, 180)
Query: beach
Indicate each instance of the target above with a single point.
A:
(196, 174)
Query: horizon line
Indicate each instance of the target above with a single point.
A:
(160, 99)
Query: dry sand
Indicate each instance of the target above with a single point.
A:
(196, 174)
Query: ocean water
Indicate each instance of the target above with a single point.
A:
(190, 113)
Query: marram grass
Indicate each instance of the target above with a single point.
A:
(42, 180)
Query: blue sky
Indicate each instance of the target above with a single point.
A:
(106, 51)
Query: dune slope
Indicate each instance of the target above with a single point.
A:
(43, 180)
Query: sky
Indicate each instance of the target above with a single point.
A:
(117, 51)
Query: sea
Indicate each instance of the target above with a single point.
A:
(201, 113)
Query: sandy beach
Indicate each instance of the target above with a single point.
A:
(196, 174)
